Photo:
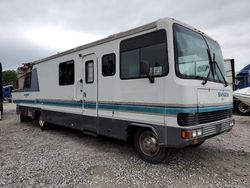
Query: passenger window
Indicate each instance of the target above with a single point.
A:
(67, 73)
(150, 48)
(89, 72)
(108, 65)
(27, 81)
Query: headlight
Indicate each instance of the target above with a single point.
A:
(188, 134)
(199, 132)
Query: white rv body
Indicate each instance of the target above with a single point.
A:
(111, 106)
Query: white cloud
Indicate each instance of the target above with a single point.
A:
(60, 25)
(58, 38)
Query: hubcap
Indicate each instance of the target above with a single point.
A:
(244, 108)
(41, 122)
(149, 144)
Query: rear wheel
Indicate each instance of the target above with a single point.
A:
(41, 123)
(147, 146)
(242, 108)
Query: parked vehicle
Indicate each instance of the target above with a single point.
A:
(238, 82)
(242, 81)
(243, 95)
(243, 78)
(162, 84)
(7, 90)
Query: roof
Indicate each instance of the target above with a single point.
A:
(107, 39)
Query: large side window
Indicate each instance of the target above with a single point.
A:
(67, 73)
(150, 49)
(27, 80)
(89, 72)
(108, 65)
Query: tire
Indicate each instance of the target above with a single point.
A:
(146, 145)
(41, 123)
(197, 145)
(242, 108)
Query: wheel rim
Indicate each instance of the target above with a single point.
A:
(41, 122)
(244, 108)
(149, 144)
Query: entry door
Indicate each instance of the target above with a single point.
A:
(90, 81)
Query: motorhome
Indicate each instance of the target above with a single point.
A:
(162, 84)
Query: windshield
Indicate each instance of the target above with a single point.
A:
(191, 55)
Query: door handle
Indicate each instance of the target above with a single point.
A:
(84, 94)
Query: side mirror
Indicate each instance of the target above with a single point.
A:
(145, 69)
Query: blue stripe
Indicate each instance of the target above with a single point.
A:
(126, 107)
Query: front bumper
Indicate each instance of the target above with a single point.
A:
(174, 134)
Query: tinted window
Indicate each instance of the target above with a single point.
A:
(89, 72)
(130, 64)
(27, 81)
(108, 65)
(67, 73)
(150, 48)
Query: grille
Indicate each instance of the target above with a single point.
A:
(189, 119)
(214, 129)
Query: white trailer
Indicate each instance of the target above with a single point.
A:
(162, 84)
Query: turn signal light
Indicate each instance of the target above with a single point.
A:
(185, 134)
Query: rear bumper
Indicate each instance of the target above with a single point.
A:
(174, 138)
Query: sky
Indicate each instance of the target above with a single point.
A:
(34, 29)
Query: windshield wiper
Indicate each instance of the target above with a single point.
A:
(215, 62)
(211, 62)
(210, 68)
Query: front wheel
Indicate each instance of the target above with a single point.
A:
(147, 146)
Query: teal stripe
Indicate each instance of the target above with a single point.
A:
(215, 108)
(129, 108)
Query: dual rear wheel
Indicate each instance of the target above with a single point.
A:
(38, 121)
(41, 123)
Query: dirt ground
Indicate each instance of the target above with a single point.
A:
(62, 157)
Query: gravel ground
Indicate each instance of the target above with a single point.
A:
(62, 157)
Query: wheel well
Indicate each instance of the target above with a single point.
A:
(132, 129)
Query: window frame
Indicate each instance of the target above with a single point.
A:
(143, 46)
(114, 63)
(28, 74)
(66, 84)
(86, 72)
(176, 65)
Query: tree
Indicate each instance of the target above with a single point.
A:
(9, 77)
